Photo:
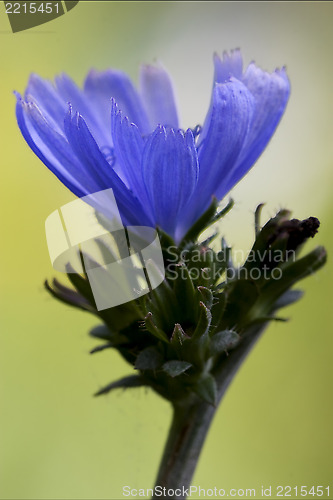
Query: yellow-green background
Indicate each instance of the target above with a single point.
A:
(275, 424)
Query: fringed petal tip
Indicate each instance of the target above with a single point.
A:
(37, 86)
(101, 86)
(227, 55)
(270, 87)
(232, 54)
(231, 64)
(158, 97)
(17, 95)
(282, 72)
(25, 100)
(118, 118)
(277, 71)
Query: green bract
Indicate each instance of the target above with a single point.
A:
(181, 334)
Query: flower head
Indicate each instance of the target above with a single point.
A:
(111, 135)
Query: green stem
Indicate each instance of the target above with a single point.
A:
(191, 422)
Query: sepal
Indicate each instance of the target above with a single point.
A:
(174, 368)
(101, 347)
(178, 336)
(129, 382)
(206, 389)
(153, 329)
(205, 296)
(223, 341)
(288, 298)
(101, 332)
(183, 331)
(68, 295)
(208, 218)
(149, 359)
(204, 322)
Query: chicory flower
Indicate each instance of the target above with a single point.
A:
(111, 135)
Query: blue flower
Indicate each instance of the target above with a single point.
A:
(111, 135)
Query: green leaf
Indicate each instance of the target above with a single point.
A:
(203, 323)
(207, 241)
(206, 296)
(264, 239)
(225, 256)
(206, 389)
(121, 316)
(153, 329)
(164, 238)
(107, 253)
(266, 319)
(291, 273)
(113, 338)
(175, 367)
(149, 359)
(184, 292)
(288, 298)
(101, 332)
(68, 296)
(81, 284)
(217, 311)
(200, 225)
(241, 295)
(223, 341)
(257, 215)
(209, 217)
(178, 336)
(128, 382)
(102, 347)
(164, 306)
(224, 211)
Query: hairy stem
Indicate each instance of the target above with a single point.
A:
(191, 423)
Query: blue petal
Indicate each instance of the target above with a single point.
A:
(170, 170)
(271, 93)
(76, 160)
(79, 102)
(230, 118)
(101, 86)
(87, 150)
(75, 130)
(128, 149)
(230, 65)
(158, 96)
(50, 147)
(49, 101)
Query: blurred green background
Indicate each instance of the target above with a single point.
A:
(275, 424)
